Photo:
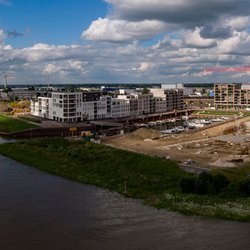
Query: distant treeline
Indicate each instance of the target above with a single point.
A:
(120, 85)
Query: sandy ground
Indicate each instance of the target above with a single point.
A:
(206, 148)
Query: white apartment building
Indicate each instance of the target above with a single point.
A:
(94, 110)
(67, 106)
(79, 106)
(120, 108)
(42, 107)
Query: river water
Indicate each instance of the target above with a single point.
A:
(41, 211)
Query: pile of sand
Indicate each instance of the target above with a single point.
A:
(143, 133)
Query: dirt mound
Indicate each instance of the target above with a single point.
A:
(142, 134)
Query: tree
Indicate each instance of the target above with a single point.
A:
(31, 87)
(145, 91)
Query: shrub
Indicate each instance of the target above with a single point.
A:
(231, 190)
(220, 182)
(244, 187)
(187, 185)
(205, 183)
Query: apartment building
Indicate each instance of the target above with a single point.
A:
(166, 99)
(231, 96)
(120, 108)
(97, 109)
(67, 106)
(139, 103)
(144, 103)
(174, 99)
(79, 106)
(42, 107)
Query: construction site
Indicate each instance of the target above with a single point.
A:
(224, 144)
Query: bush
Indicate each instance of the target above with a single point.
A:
(187, 185)
(231, 190)
(220, 182)
(244, 187)
(205, 183)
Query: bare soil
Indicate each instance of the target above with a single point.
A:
(197, 148)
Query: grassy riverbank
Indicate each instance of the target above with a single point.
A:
(152, 179)
(9, 124)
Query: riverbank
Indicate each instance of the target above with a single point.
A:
(152, 179)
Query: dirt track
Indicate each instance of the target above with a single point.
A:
(203, 148)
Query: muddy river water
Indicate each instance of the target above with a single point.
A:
(42, 211)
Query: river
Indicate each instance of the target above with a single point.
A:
(42, 211)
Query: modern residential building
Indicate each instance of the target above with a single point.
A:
(93, 105)
(174, 99)
(98, 109)
(42, 107)
(120, 108)
(67, 106)
(231, 96)
(166, 99)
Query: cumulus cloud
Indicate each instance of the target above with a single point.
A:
(104, 29)
(238, 23)
(194, 39)
(216, 31)
(186, 12)
(131, 20)
(51, 68)
(144, 67)
(239, 44)
(191, 35)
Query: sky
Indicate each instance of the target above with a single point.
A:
(124, 41)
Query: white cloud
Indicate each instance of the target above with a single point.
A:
(238, 23)
(239, 43)
(2, 37)
(194, 39)
(144, 67)
(131, 20)
(108, 30)
(51, 69)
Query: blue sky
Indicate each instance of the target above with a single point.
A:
(133, 41)
(49, 21)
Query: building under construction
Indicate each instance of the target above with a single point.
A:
(231, 96)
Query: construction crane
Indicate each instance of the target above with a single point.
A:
(5, 77)
(5, 81)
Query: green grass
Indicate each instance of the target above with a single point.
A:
(234, 174)
(152, 179)
(9, 124)
(29, 118)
